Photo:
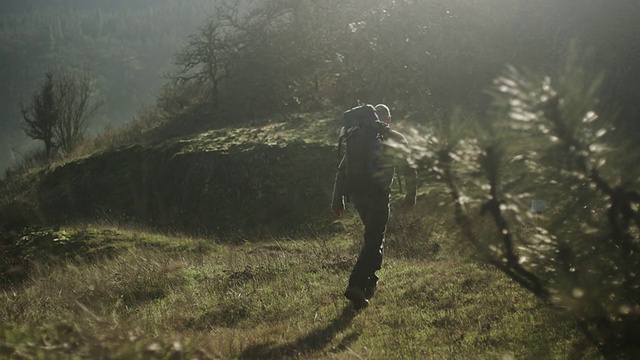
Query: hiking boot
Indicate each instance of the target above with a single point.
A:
(357, 297)
(370, 290)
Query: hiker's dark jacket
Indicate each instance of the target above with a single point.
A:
(393, 159)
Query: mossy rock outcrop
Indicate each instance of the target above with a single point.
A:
(213, 183)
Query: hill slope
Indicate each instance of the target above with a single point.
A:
(109, 291)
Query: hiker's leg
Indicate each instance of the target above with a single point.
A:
(358, 278)
(374, 213)
(379, 217)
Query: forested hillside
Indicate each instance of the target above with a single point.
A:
(423, 57)
(127, 46)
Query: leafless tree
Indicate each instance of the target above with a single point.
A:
(60, 111)
(205, 61)
(77, 107)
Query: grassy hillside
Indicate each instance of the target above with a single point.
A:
(234, 255)
(131, 294)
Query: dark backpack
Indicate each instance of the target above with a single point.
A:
(362, 136)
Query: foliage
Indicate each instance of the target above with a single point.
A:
(126, 46)
(420, 57)
(206, 59)
(423, 57)
(247, 59)
(580, 256)
(34, 159)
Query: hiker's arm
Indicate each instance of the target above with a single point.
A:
(337, 202)
(411, 183)
(405, 169)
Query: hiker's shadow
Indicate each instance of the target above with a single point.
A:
(315, 341)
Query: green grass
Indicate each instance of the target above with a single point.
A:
(113, 293)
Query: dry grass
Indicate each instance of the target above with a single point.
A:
(132, 294)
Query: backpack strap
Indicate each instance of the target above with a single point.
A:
(341, 140)
(345, 134)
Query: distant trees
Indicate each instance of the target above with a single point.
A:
(206, 60)
(280, 55)
(261, 57)
(422, 56)
(277, 55)
(128, 45)
(60, 111)
(237, 44)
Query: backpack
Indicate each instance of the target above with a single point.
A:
(362, 136)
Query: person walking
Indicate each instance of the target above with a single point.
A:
(371, 197)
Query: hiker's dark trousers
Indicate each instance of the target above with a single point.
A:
(374, 213)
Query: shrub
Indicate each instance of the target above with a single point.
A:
(582, 254)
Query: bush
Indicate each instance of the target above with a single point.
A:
(582, 254)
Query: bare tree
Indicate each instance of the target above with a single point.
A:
(237, 46)
(42, 114)
(75, 111)
(60, 111)
(205, 60)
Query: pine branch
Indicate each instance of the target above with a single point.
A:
(511, 267)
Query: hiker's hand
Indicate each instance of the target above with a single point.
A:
(406, 205)
(338, 208)
(408, 202)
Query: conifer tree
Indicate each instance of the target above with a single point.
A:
(582, 255)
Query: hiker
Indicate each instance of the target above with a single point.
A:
(370, 193)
